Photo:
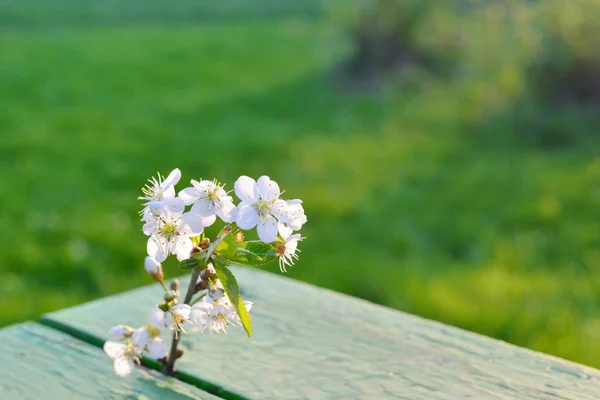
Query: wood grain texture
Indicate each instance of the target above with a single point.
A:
(316, 344)
(37, 362)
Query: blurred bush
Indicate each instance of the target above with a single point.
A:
(527, 68)
(391, 36)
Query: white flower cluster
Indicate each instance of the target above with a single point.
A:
(171, 229)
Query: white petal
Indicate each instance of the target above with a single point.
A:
(208, 221)
(123, 366)
(140, 337)
(157, 248)
(247, 216)
(227, 211)
(182, 246)
(204, 187)
(188, 195)
(248, 305)
(191, 224)
(157, 348)
(244, 189)
(267, 230)
(155, 207)
(172, 206)
(267, 189)
(202, 207)
(173, 178)
(120, 332)
(182, 309)
(284, 230)
(114, 350)
(157, 317)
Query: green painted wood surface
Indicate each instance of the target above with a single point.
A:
(317, 344)
(37, 362)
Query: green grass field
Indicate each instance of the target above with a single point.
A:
(410, 204)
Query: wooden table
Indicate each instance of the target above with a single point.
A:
(308, 343)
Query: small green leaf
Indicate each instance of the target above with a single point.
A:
(227, 246)
(233, 292)
(189, 263)
(253, 254)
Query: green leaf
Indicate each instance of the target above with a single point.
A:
(232, 289)
(227, 246)
(253, 254)
(220, 237)
(189, 263)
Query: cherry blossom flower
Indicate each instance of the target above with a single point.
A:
(177, 317)
(293, 214)
(210, 200)
(124, 356)
(260, 206)
(158, 189)
(287, 247)
(216, 315)
(121, 332)
(149, 337)
(170, 230)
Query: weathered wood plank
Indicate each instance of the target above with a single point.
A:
(38, 362)
(314, 343)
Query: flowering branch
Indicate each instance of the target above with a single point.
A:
(174, 231)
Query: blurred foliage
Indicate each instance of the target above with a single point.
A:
(432, 195)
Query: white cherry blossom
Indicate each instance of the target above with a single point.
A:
(121, 332)
(170, 230)
(287, 247)
(158, 189)
(216, 315)
(260, 206)
(293, 214)
(210, 200)
(124, 356)
(177, 318)
(149, 337)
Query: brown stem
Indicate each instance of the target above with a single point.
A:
(169, 368)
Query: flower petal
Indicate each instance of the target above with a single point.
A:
(267, 230)
(114, 350)
(188, 195)
(191, 224)
(247, 216)
(244, 188)
(202, 207)
(157, 348)
(173, 178)
(227, 211)
(284, 230)
(181, 247)
(172, 206)
(208, 221)
(267, 189)
(123, 366)
(157, 317)
(157, 248)
(140, 337)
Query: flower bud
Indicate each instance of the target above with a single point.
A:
(200, 285)
(170, 296)
(120, 332)
(204, 243)
(154, 268)
(196, 250)
(178, 353)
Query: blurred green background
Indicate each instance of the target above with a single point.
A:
(448, 152)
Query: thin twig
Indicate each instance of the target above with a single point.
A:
(169, 368)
